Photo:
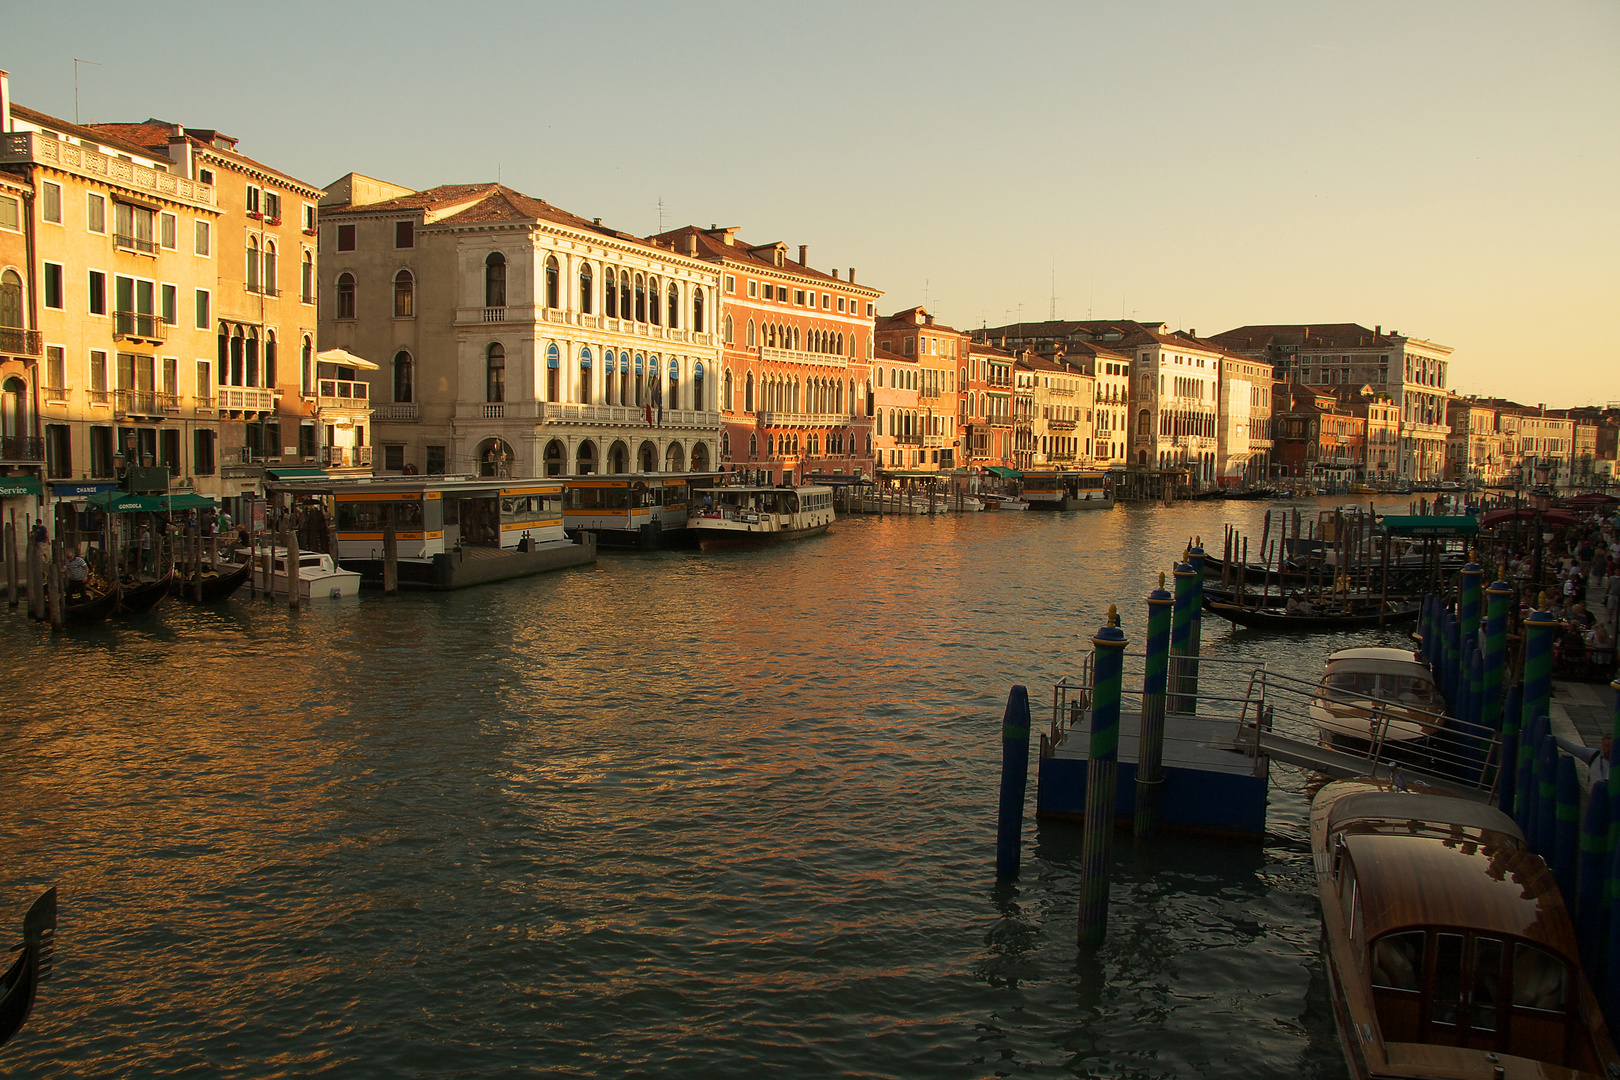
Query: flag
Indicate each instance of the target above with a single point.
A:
(658, 397)
(649, 416)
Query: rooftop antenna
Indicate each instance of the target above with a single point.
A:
(660, 213)
(1051, 310)
(926, 301)
(76, 63)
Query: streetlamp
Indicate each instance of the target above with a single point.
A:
(1541, 498)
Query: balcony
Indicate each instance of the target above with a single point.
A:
(907, 440)
(30, 147)
(495, 314)
(622, 415)
(346, 457)
(794, 356)
(246, 399)
(144, 244)
(138, 326)
(144, 403)
(342, 394)
(396, 412)
(57, 395)
(19, 342)
(21, 449)
(1061, 425)
(805, 420)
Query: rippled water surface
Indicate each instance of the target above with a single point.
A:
(686, 814)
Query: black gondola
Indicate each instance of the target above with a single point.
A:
(215, 586)
(144, 595)
(1281, 619)
(19, 984)
(93, 609)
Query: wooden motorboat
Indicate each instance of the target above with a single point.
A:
(1448, 950)
(20, 983)
(1280, 618)
(745, 516)
(216, 584)
(144, 595)
(1370, 694)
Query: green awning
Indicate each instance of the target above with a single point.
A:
(190, 500)
(11, 486)
(1004, 472)
(119, 503)
(1431, 525)
(295, 472)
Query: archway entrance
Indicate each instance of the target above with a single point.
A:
(554, 458)
(648, 456)
(675, 458)
(618, 458)
(496, 458)
(700, 457)
(585, 463)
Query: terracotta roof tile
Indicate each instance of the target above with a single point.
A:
(154, 135)
(110, 140)
(714, 248)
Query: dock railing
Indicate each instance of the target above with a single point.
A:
(1266, 714)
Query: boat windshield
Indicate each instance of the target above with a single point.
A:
(1389, 686)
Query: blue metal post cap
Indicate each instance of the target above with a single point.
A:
(1541, 618)
(1473, 568)
(1110, 633)
(1185, 570)
(1499, 587)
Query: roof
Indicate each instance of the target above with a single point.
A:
(712, 245)
(112, 140)
(1305, 336)
(434, 198)
(1381, 805)
(1375, 652)
(153, 136)
(885, 354)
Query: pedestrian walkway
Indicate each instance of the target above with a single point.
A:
(1584, 712)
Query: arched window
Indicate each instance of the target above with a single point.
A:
(404, 295)
(403, 382)
(610, 367)
(306, 368)
(585, 287)
(554, 458)
(11, 296)
(270, 358)
(652, 302)
(495, 280)
(697, 386)
(252, 264)
(553, 376)
(306, 279)
(610, 295)
(726, 389)
(625, 310)
(13, 408)
(586, 458)
(553, 283)
(727, 331)
(1143, 424)
(697, 310)
(751, 339)
(753, 445)
(585, 376)
(725, 446)
(495, 372)
(673, 400)
(345, 296)
(748, 398)
(270, 268)
(252, 366)
(673, 308)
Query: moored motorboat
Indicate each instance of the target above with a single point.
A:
(747, 516)
(1448, 950)
(318, 574)
(1003, 502)
(1379, 696)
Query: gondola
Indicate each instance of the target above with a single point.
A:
(19, 983)
(93, 609)
(1279, 619)
(144, 595)
(215, 586)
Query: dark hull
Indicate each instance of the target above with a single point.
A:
(1273, 619)
(721, 540)
(144, 596)
(20, 983)
(215, 587)
(92, 611)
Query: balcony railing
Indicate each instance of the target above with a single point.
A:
(247, 399)
(136, 243)
(495, 314)
(31, 146)
(346, 457)
(19, 342)
(794, 356)
(341, 394)
(907, 440)
(396, 412)
(21, 448)
(145, 402)
(138, 324)
(99, 397)
(58, 395)
(1060, 425)
(798, 419)
(634, 415)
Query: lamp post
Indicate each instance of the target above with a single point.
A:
(1541, 498)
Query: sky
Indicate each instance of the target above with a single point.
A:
(1443, 169)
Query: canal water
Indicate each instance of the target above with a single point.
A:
(680, 814)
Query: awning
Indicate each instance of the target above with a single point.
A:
(119, 503)
(190, 500)
(17, 486)
(1557, 518)
(296, 472)
(1430, 525)
(345, 358)
(1004, 472)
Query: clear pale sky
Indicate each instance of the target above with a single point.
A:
(1450, 170)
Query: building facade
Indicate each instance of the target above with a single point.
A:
(514, 338)
(936, 350)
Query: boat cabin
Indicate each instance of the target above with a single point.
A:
(630, 509)
(1066, 489)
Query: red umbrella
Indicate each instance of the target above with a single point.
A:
(1557, 518)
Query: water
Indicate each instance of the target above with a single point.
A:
(686, 814)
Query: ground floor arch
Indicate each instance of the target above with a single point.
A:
(700, 457)
(618, 458)
(585, 461)
(675, 458)
(496, 457)
(647, 457)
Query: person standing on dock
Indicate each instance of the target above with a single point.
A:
(1597, 762)
(146, 548)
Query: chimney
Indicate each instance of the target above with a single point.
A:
(852, 275)
(803, 251)
(5, 100)
(691, 244)
(835, 273)
(1378, 330)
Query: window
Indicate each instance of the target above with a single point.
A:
(697, 310)
(345, 237)
(495, 280)
(205, 175)
(270, 269)
(798, 297)
(345, 296)
(167, 305)
(55, 367)
(731, 283)
(826, 302)
(98, 293)
(553, 374)
(753, 288)
(306, 279)
(402, 376)
(252, 200)
(869, 309)
(134, 227)
(751, 334)
(53, 285)
(98, 375)
(306, 369)
(11, 295)
(641, 299)
(201, 241)
(404, 300)
(10, 214)
(95, 213)
(585, 376)
(726, 331)
(51, 203)
(553, 283)
(202, 452)
(585, 287)
(404, 234)
(205, 383)
(495, 372)
(672, 309)
(167, 228)
(202, 321)
(309, 218)
(252, 275)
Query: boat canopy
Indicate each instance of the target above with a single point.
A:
(1004, 472)
(1410, 806)
(1430, 525)
(295, 472)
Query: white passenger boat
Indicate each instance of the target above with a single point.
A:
(318, 574)
(1003, 502)
(745, 516)
(1374, 695)
(1068, 489)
